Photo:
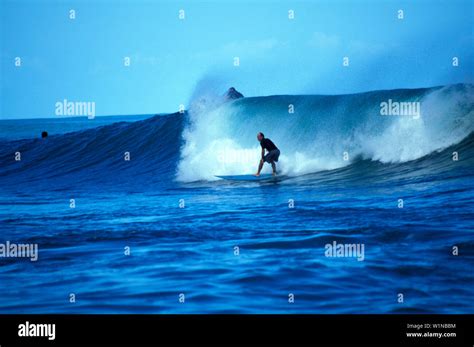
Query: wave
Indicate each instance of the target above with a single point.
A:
(98, 155)
(323, 132)
(216, 137)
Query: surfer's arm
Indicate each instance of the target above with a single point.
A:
(260, 165)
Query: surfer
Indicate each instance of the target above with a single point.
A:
(273, 153)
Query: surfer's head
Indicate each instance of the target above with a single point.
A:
(260, 136)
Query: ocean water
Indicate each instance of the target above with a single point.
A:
(245, 247)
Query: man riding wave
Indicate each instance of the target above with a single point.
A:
(273, 153)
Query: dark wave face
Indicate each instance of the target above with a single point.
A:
(405, 193)
(97, 156)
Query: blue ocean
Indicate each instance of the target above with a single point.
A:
(129, 216)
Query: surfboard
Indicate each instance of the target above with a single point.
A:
(262, 177)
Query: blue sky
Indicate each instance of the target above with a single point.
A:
(83, 59)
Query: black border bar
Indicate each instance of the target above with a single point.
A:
(238, 329)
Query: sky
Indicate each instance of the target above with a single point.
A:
(172, 60)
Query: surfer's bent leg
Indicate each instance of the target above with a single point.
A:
(273, 167)
(271, 158)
